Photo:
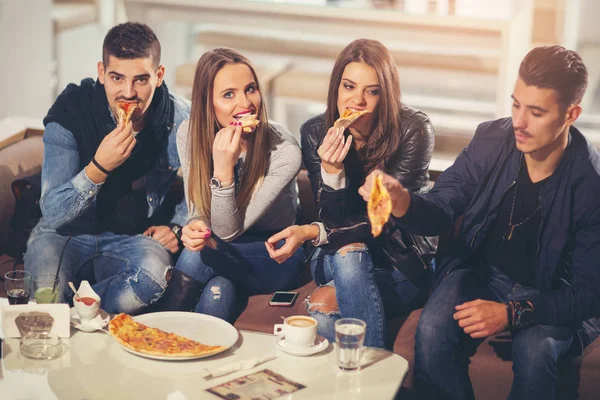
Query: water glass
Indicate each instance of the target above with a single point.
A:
(18, 285)
(46, 288)
(350, 337)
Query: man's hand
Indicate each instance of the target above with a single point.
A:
(226, 151)
(165, 236)
(116, 147)
(333, 150)
(293, 236)
(398, 194)
(481, 318)
(195, 235)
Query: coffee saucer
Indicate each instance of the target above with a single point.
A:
(320, 344)
(95, 324)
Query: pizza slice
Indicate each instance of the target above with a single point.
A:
(249, 122)
(348, 117)
(125, 111)
(379, 206)
(153, 341)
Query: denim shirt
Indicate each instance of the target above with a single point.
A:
(68, 195)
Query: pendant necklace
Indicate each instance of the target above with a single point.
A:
(511, 227)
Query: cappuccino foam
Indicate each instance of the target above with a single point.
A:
(301, 322)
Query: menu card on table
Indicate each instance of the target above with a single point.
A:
(264, 384)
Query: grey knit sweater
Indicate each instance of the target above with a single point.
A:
(273, 205)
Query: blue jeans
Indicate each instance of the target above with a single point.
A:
(127, 272)
(363, 291)
(442, 348)
(236, 270)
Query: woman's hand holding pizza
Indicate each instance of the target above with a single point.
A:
(333, 150)
(226, 151)
(398, 194)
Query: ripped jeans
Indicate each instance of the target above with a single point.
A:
(127, 272)
(236, 270)
(363, 291)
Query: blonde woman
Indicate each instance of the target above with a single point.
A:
(240, 188)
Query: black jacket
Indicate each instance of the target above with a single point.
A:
(567, 270)
(344, 212)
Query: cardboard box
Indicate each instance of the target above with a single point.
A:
(14, 129)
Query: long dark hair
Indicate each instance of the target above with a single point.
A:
(384, 139)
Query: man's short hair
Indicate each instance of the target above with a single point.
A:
(556, 68)
(129, 41)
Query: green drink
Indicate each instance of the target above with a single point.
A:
(45, 295)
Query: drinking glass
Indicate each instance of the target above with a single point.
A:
(45, 288)
(350, 337)
(18, 285)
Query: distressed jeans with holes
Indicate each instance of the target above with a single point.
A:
(236, 270)
(127, 272)
(363, 291)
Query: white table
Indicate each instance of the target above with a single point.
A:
(96, 367)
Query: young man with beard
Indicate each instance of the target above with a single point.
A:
(525, 258)
(104, 182)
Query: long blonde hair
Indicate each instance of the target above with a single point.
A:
(204, 126)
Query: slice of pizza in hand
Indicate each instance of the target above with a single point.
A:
(249, 122)
(153, 341)
(125, 111)
(379, 206)
(348, 117)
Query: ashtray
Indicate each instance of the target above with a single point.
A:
(41, 346)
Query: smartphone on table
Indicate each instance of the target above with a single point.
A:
(283, 299)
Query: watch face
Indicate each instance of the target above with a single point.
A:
(214, 182)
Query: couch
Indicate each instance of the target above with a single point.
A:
(490, 370)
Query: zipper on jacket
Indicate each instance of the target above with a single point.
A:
(415, 248)
(482, 225)
(488, 213)
(347, 227)
(539, 239)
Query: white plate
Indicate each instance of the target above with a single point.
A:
(98, 323)
(320, 344)
(202, 328)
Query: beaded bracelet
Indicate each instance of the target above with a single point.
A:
(520, 314)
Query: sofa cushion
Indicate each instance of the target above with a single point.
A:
(259, 316)
(18, 160)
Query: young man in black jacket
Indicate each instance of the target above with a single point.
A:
(526, 256)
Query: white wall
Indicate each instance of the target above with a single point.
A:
(25, 58)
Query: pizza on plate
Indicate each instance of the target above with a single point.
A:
(152, 341)
(379, 206)
(125, 111)
(249, 122)
(348, 117)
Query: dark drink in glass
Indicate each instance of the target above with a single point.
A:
(18, 285)
(18, 296)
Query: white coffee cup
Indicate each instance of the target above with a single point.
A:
(299, 331)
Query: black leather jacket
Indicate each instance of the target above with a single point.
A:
(344, 212)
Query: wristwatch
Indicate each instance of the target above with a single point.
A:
(215, 183)
(177, 231)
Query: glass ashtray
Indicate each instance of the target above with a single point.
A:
(41, 346)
